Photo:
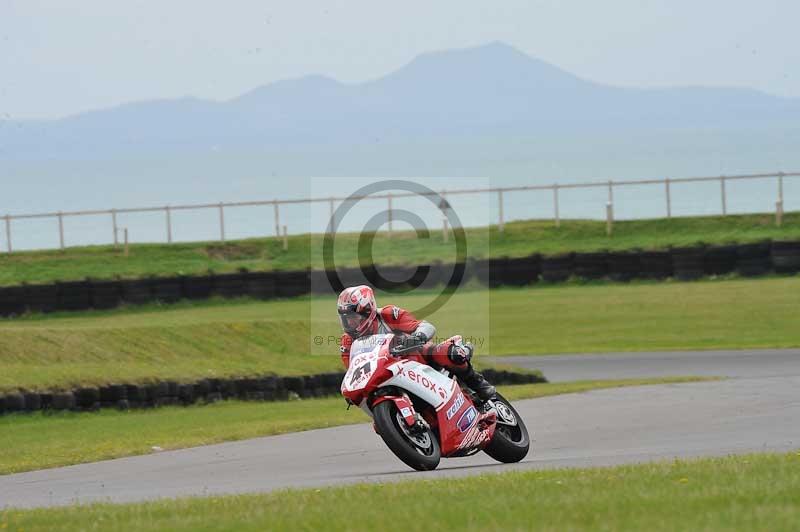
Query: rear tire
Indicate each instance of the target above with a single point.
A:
(510, 443)
(421, 453)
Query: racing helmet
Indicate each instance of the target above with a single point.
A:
(357, 310)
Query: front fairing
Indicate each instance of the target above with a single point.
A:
(367, 356)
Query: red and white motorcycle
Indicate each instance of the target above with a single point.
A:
(423, 414)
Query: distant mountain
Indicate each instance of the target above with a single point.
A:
(491, 90)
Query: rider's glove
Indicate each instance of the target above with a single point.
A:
(406, 342)
(460, 353)
(419, 338)
(400, 343)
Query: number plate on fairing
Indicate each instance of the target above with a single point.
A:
(363, 361)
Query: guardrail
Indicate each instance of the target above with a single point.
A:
(611, 185)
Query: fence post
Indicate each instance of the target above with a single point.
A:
(669, 198)
(285, 239)
(443, 207)
(724, 199)
(779, 203)
(8, 234)
(389, 212)
(126, 241)
(114, 224)
(609, 218)
(500, 218)
(277, 219)
(332, 216)
(169, 224)
(61, 231)
(610, 191)
(555, 205)
(222, 222)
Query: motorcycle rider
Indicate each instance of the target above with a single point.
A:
(360, 316)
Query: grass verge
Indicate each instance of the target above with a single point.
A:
(749, 492)
(518, 239)
(41, 441)
(227, 338)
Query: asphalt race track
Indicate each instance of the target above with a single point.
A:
(757, 409)
(735, 364)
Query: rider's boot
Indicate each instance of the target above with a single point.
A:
(477, 382)
(460, 353)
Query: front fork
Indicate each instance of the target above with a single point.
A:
(406, 408)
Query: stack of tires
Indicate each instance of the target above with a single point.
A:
(42, 298)
(437, 275)
(74, 296)
(198, 287)
(462, 273)
(490, 271)
(166, 393)
(136, 291)
(786, 257)
(114, 396)
(685, 263)
(688, 263)
(753, 260)
(522, 271)
(624, 265)
(292, 283)
(388, 278)
(167, 289)
(656, 264)
(557, 268)
(350, 277)
(261, 285)
(720, 260)
(12, 300)
(13, 403)
(230, 285)
(591, 265)
(106, 294)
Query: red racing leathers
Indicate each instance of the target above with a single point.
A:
(393, 319)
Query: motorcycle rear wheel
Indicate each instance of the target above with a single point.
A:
(510, 442)
(420, 452)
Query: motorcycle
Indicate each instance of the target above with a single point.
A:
(422, 413)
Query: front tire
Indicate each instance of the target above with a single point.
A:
(510, 442)
(419, 451)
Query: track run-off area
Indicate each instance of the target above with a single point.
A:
(755, 408)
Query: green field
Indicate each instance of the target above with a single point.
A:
(39, 441)
(751, 492)
(518, 239)
(228, 338)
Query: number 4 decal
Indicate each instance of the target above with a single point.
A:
(359, 373)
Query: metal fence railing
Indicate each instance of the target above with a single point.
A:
(220, 208)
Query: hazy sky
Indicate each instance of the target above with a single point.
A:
(58, 58)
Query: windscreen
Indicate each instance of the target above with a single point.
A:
(368, 344)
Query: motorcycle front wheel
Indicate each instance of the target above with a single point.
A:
(418, 449)
(510, 442)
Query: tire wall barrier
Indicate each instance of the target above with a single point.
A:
(172, 393)
(684, 263)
